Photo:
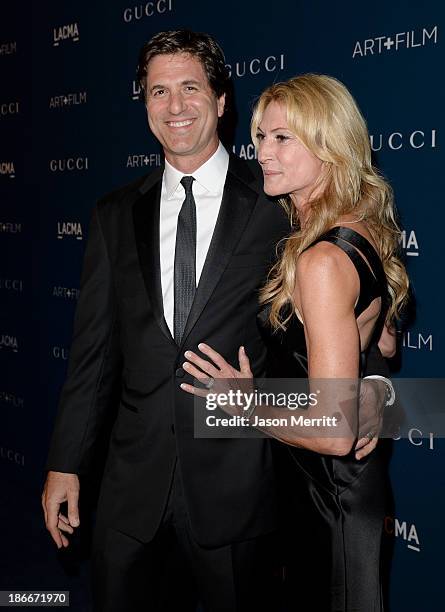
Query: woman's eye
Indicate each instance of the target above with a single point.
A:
(281, 137)
(259, 136)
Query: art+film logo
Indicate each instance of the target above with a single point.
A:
(143, 160)
(256, 65)
(68, 293)
(421, 37)
(66, 100)
(11, 400)
(69, 229)
(419, 341)
(149, 9)
(407, 532)
(66, 33)
(7, 227)
(7, 169)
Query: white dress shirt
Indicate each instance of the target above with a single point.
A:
(207, 190)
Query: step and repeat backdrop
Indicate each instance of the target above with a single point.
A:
(72, 127)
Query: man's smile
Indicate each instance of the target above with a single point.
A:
(179, 124)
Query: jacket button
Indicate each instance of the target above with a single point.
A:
(180, 373)
(172, 429)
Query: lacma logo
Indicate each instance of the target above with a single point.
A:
(396, 42)
(401, 529)
(69, 229)
(410, 243)
(136, 91)
(144, 160)
(65, 33)
(271, 63)
(9, 343)
(142, 11)
(69, 99)
(245, 151)
(7, 169)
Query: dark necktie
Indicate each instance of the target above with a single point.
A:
(185, 260)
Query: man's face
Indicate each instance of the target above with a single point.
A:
(182, 109)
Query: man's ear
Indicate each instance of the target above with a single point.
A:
(221, 102)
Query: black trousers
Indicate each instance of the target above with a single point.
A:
(172, 573)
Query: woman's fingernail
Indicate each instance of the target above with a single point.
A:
(201, 345)
(187, 354)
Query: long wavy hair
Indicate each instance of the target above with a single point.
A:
(324, 116)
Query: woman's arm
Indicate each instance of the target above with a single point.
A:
(327, 288)
(387, 342)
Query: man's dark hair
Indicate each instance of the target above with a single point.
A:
(198, 44)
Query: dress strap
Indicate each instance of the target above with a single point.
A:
(363, 245)
(372, 276)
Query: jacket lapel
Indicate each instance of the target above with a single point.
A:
(238, 202)
(146, 229)
(239, 198)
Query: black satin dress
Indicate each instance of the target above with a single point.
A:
(333, 507)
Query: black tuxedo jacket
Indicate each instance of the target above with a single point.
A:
(120, 334)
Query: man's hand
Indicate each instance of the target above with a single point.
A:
(61, 487)
(376, 394)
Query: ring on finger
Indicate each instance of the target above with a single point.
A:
(209, 384)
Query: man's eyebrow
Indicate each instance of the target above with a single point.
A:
(191, 82)
(186, 82)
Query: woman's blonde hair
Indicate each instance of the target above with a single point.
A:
(324, 116)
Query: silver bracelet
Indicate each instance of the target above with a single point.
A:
(391, 394)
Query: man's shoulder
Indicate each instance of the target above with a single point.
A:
(129, 192)
(248, 171)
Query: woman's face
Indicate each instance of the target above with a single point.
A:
(288, 167)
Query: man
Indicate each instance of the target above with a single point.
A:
(170, 262)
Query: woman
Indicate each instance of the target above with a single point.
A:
(336, 289)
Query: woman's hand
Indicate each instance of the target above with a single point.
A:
(216, 374)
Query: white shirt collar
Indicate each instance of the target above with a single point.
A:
(211, 175)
